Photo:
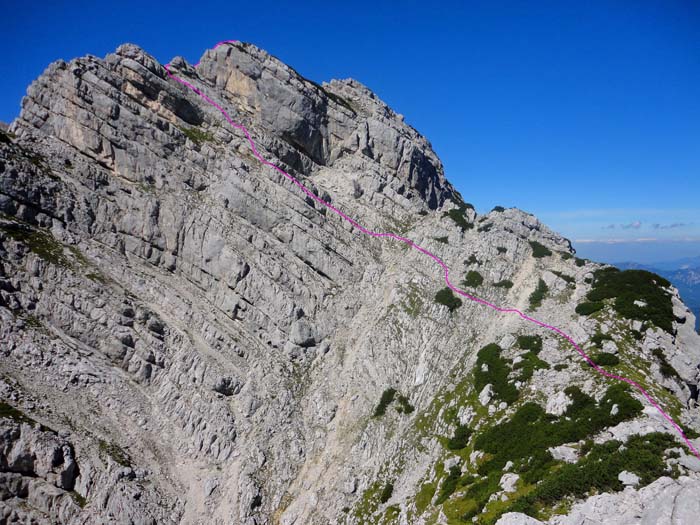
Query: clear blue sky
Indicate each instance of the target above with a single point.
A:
(584, 113)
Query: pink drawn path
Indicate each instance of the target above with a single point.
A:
(429, 254)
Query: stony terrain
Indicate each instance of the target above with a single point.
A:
(188, 338)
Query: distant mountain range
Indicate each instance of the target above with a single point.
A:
(683, 273)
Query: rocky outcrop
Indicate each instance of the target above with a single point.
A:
(210, 344)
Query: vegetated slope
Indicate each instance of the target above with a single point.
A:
(683, 274)
(188, 338)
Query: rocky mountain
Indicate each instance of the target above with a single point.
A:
(188, 337)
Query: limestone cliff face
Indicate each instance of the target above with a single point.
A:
(186, 337)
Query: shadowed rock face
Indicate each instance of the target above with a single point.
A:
(204, 343)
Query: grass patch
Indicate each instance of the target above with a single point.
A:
(538, 295)
(447, 298)
(539, 250)
(39, 242)
(424, 497)
(115, 452)
(198, 136)
(10, 412)
(473, 279)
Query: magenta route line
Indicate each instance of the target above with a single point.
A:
(429, 254)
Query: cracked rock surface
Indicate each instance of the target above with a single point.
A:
(186, 337)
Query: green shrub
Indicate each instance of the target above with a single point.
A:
(404, 406)
(458, 215)
(473, 279)
(386, 399)
(628, 286)
(539, 250)
(580, 262)
(530, 342)
(569, 279)
(599, 338)
(666, 369)
(588, 308)
(530, 362)
(689, 432)
(501, 249)
(386, 493)
(531, 431)
(496, 374)
(485, 228)
(447, 298)
(504, 284)
(499, 209)
(482, 489)
(538, 295)
(605, 359)
(79, 500)
(449, 485)
(599, 470)
(442, 240)
(472, 260)
(460, 438)
(566, 256)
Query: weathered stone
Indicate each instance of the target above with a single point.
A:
(210, 342)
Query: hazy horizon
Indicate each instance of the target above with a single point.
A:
(638, 252)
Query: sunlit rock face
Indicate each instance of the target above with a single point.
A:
(187, 337)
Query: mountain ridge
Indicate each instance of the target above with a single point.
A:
(180, 300)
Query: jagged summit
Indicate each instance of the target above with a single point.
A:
(307, 126)
(186, 337)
